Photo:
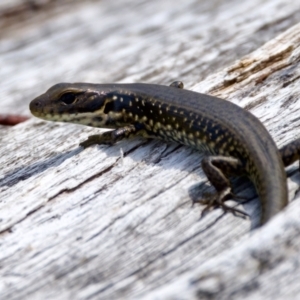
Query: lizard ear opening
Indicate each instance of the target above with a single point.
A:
(68, 98)
(109, 106)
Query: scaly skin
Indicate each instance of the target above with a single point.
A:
(236, 141)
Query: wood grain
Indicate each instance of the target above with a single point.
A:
(99, 224)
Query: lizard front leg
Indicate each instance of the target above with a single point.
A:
(111, 137)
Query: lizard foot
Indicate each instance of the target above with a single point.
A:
(218, 199)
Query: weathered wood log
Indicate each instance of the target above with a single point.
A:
(118, 222)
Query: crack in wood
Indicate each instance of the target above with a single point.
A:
(22, 173)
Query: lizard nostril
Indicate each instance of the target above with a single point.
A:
(35, 104)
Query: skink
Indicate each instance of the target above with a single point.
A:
(235, 141)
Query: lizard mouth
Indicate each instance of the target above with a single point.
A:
(38, 109)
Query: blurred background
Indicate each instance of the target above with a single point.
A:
(43, 42)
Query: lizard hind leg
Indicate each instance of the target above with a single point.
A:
(215, 168)
(290, 153)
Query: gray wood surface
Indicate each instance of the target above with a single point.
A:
(99, 224)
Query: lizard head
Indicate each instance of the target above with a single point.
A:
(74, 102)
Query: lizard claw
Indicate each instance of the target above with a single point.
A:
(218, 199)
(97, 139)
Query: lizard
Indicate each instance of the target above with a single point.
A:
(234, 140)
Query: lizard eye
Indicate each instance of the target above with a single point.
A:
(68, 98)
